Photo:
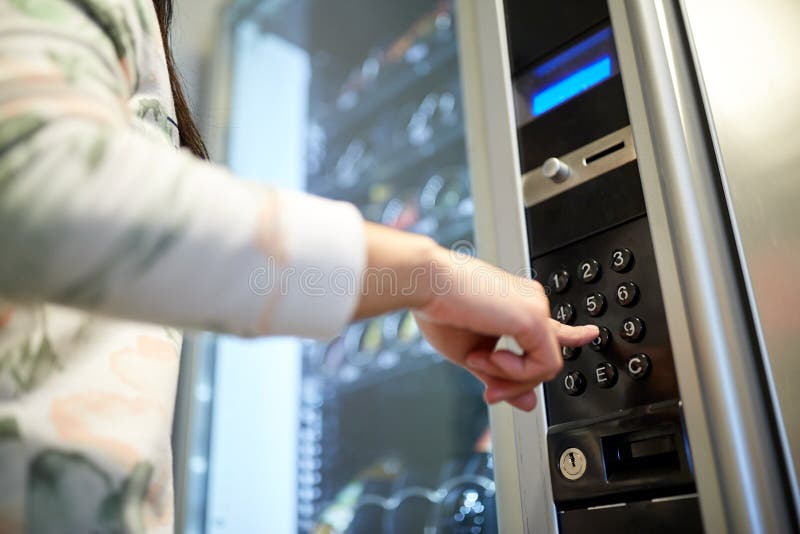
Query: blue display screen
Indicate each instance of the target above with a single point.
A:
(566, 75)
(571, 86)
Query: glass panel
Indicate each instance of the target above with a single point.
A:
(391, 437)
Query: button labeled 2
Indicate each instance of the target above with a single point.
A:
(589, 270)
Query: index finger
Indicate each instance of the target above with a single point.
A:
(574, 336)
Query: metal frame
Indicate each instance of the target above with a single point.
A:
(739, 474)
(524, 494)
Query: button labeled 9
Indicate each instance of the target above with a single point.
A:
(632, 329)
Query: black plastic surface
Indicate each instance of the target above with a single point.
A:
(609, 478)
(585, 210)
(653, 517)
(660, 384)
(537, 29)
(599, 111)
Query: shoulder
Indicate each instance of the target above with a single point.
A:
(109, 27)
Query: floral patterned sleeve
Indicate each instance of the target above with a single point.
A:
(98, 212)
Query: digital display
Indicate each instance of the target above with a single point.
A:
(571, 86)
(566, 75)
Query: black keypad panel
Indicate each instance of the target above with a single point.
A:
(630, 363)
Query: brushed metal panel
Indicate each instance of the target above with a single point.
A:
(747, 56)
(536, 187)
(739, 476)
(522, 474)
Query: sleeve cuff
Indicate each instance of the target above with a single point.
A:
(325, 257)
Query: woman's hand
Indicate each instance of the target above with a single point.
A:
(473, 304)
(463, 306)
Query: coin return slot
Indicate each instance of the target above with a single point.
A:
(603, 153)
(643, 454)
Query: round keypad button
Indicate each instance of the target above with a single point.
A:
(558, 281)
(570, 353)
(564, 313)
(605, 374)
(632, 329)
(621, 260)
(589, 270)
(638, 366)
(574, 383)
(602, 340)
(627, 294)
(595, 304)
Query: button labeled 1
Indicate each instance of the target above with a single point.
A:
(558, 281)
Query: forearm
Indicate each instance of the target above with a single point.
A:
(399, 271)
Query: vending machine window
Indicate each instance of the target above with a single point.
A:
(391, 437)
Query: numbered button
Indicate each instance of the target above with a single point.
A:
(621, 260)
(558, 281)
(574, 383)
(602, 340)
(627, 294)
(564, 313)
(632, 329)
(570, 353)
(589, 270)
(595, 304)
(638, 366)
(606, 374)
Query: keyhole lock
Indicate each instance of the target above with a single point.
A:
(572, 463)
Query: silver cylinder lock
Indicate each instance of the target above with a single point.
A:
(572, 463)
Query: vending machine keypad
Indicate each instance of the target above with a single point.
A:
(616, 288)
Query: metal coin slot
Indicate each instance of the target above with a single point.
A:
(603, 153)
(642, 454)
(561, 173)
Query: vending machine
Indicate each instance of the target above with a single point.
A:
(636, 156)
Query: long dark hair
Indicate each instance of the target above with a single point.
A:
(189, 134)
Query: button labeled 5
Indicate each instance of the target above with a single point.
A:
(595, 304)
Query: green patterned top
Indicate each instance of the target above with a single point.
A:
(106, 232)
